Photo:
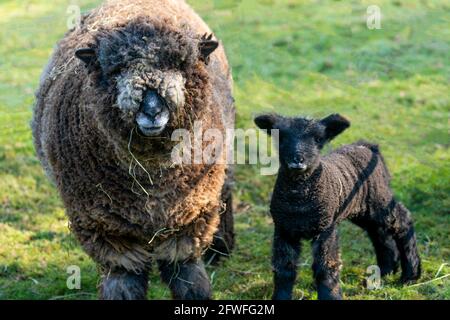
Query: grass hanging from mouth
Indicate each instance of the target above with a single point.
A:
(133, 158)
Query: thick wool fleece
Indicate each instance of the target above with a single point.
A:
(126, 202)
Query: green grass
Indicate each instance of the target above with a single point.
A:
(293, 57)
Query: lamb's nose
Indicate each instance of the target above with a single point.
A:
(298, 160)
(298, 163)
(152, 104)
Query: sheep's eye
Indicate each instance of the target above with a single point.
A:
(318, 139)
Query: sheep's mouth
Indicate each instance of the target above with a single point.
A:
(151, 126)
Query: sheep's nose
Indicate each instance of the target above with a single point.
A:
(152, 104)
(153, 115)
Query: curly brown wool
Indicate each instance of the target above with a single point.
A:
(127, 203)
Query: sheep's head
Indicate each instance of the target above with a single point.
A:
(145, 67)
(301, 139)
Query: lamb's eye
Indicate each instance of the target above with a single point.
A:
(318, 139)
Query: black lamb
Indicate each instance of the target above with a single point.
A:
(314, 193)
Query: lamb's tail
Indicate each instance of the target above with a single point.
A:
(372, 146)
(375, 148)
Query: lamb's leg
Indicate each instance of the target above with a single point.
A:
(405, 238)
(285, 255)
(187, 280)
(326, 265)
(384, 244)
(385, 250)
(124, 285)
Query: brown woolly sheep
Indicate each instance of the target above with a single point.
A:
(102, 130)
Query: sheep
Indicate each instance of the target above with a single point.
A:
(116, 88)
(314, 193)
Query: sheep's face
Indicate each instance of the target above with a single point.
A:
(145, 68)
(301, 139)
(150, 96)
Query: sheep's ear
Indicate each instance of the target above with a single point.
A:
(334, 125)
(267, 122)
(207, 46)
(87, 55)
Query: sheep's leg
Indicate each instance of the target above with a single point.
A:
(124, 285)
(405, 238)
(223, 242)
(326, 265)
(187, 280)
(285, 255)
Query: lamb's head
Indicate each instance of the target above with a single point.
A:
(145, 67)
(301, 139)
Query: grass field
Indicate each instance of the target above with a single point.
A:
(293, 57)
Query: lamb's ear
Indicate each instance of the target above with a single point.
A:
(267, 122)
(87, 55)
(207, 46)
(334, 125)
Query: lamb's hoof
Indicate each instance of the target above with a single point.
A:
(411, 276)
(326, 293)
(282, 296)
(330, 297)
(385, 271)
(409, 279)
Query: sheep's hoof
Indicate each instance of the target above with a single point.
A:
(124, 286)
(187, 280)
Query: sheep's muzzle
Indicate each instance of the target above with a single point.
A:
(153, 114)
